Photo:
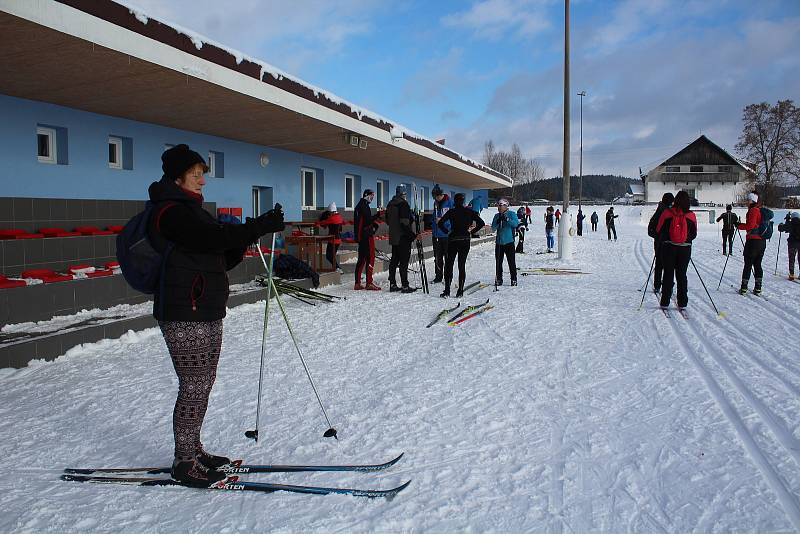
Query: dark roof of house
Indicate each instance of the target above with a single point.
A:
(702, 151)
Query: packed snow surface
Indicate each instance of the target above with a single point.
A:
(564, 409)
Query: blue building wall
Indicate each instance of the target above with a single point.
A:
(86, 173)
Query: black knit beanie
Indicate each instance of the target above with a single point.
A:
(179, 159)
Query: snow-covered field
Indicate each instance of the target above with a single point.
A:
(563, 409)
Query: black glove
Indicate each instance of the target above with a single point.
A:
(475, 234)
(269, 222)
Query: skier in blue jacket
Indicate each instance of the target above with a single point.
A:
(441, 205)
(505, 223)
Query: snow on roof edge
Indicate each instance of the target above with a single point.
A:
(395, 130)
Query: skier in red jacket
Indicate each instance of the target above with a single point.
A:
(676, 229)
(754, 247)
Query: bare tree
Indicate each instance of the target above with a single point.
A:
(770, 141)
(524, 171)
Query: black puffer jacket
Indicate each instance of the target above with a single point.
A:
(195, 283)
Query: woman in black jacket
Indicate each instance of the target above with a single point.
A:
(190, 303)
(464, 224)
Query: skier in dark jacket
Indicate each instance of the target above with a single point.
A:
(594, 220)
(676, 229)
(666, 203)
(610, 223)
(441, 205)
(190, 305)
(579, 221)
(522, 227)
(729, 222)
(549, 228)
(754, 246)
(464, 224)
(401, 235)
(791, 225)
(364, 226)
(333, 221)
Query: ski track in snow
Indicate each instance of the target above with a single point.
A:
(563, 409)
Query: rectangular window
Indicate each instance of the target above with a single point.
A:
(725, 168)
(696, 168)
(423, 198)
(380, 194)
(309, 188)
(673, 169)
(46, 145)
(349, 191)
(216, 164)
(115, 153)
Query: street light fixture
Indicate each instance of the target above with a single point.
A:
(580, 166)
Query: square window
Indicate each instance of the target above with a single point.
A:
(46, 145)
(115, 153)
(308, 185)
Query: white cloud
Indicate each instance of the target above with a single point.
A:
(494, 19)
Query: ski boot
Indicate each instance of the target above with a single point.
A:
(792, 277)
(446, 293)
(407, 289)
(460, 292)
(437, 280)
(211, 461)
(372, 287)
(513, 283)
(193, 473)
(743, 289)
(358, 286)
(757, 288)
(393, 288)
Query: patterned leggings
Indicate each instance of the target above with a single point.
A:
(194, 348)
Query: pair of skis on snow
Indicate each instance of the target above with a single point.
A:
(464, 315)
(234, 470)
(549, 271)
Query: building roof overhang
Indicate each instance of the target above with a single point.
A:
(102, 57)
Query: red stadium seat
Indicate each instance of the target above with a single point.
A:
(5, 283)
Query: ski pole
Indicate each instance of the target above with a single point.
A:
(719, 314)
(646, 282)
(780, 234)
(253, 434)
(331, 432)
(727, 257)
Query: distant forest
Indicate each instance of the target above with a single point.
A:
(599, 187)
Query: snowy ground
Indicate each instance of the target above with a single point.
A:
(564, 409)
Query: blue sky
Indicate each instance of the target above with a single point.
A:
(657, 73)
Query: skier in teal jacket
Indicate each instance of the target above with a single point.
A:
(505, 223)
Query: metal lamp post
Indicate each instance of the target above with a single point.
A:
(565, 230)
(580, 165)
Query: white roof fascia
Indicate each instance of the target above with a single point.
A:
(74, 22)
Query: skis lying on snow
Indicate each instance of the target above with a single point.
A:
(550, 270)
(237, 467)
(467, 310)
(471, 315)
(444, 312)
(550, 273)
(232, 483)
(475, 288)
